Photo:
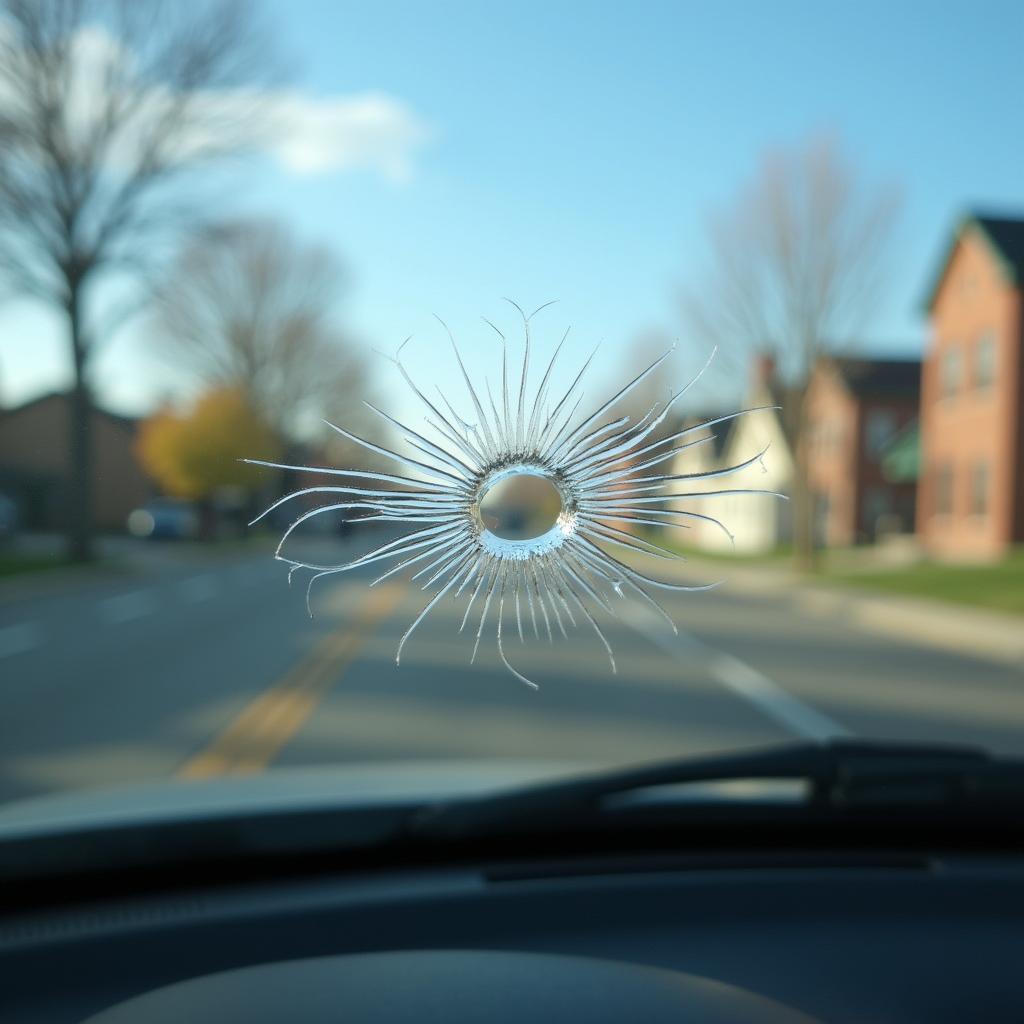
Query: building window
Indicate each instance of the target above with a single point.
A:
(985, 361)
(879, 427)
(979, 489)
(950, 381)
(944, 490)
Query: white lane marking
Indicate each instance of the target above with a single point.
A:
(126, 607)
(774, 701)
(744, 680)
(18, 639)
(198, 588)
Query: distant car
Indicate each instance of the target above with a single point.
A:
(164, 519)
(8, 517)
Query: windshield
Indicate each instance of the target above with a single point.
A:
(387, 384)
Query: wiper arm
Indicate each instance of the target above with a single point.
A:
(841, 774)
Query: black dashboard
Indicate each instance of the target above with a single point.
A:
(781, 937)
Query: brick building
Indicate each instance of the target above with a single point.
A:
(972, 414)
(855, 407)
(34, 464)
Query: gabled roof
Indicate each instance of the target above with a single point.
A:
(1007, 234)
(783, 400)
(1005, 238)
(719, 432)
(787, 398)
(879, 378)
(748, 433)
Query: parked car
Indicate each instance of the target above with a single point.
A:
(164, 519)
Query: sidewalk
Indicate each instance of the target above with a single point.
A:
(963, 629)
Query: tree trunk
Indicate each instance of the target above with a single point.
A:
(805, 546)
(79, 511)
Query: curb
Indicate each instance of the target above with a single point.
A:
(961, 629)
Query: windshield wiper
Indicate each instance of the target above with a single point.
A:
(840, 776)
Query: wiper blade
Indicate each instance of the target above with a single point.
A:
(839, 775)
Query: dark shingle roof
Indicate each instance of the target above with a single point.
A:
(1004, 234)
(1007, 235)
(880, 378)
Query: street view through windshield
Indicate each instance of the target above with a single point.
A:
(279, 264)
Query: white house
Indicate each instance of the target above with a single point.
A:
(756, 522)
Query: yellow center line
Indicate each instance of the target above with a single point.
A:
(252, 740)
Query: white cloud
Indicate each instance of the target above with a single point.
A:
(306, 135)
(371, 131)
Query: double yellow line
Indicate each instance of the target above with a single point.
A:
(257, 735)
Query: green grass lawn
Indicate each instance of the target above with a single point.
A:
(670, 539)
(782, 555)
(16, 563)
(999, 586)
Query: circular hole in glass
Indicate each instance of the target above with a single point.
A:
(520, 505)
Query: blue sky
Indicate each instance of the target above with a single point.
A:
(575, 150)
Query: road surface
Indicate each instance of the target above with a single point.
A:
(205, 662)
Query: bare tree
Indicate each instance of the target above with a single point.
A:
(248, 305)
(797, 263)
(104, 105)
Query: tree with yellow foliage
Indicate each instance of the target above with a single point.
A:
(193, 454)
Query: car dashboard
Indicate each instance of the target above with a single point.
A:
(777, 936)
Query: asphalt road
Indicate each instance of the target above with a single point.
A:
(203, 662)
